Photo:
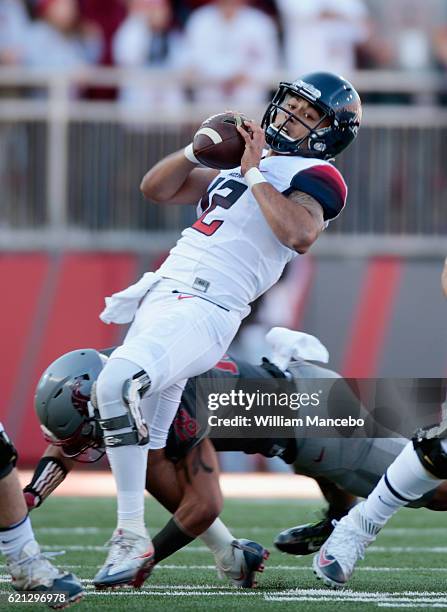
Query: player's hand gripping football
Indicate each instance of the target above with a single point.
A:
(254, 139)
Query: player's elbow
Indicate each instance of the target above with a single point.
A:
(155, 189)
(150, 191)
(302, 241)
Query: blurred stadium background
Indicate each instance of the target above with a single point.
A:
(94, 92)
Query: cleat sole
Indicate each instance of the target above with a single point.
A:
(327, 581)
(143, 573)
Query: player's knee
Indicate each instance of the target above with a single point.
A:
(109, 386)
(121, 419)
(432, 456)
(8, 455)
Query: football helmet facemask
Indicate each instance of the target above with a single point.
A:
(334, 98)
(67, 417)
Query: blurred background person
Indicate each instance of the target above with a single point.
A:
(322, 34)
(145, 40)
(183, 8)
(231, 47)
(405, 28)
(107, 16)
(59, 38)
(14, 25)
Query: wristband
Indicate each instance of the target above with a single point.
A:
(188, 152)
(32, 499)
(254, 177)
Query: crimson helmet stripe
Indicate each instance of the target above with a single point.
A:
(325, 184)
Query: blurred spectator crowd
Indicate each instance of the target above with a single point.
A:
(230, 47)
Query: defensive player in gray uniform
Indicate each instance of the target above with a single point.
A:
(187, 481)
(32, 574)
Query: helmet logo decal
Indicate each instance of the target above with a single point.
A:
(78, 398)
(312, 91)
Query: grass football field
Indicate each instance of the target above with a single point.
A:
(405, 568)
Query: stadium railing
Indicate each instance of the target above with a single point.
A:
(71, 168)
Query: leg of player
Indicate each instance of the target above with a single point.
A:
(29, 569)
(195, 474)
(406, 480)
(308, 538)
(438, 502)
(237, 560)
(170, 340)
(126, 447)
(197, 503)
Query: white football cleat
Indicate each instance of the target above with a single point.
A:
(33, 573)
(129, 562)
(335, 562)
(244, 560)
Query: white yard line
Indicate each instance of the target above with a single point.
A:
(212, 568)
(201, 549)
(388, 531)
(406, 599)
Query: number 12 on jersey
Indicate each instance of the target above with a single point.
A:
(235, 188)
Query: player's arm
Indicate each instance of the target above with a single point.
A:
(444, 278)
(176, 180)
(297, 227)
(50, 472)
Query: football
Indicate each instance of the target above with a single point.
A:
(217, 143)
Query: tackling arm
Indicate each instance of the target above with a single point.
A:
(48, 475)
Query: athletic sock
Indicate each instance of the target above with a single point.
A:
(404, 481)
(170, 539)
(14, 538)
(219, 539)
(128, 464)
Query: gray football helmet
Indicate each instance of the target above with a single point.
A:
(62, 401)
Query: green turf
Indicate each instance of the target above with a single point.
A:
(404, 575)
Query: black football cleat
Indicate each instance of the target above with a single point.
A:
(304, 539)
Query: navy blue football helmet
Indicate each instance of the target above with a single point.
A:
(334, 98)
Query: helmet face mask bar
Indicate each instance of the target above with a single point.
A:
(334, 98)
(85, 445)
(281, 141)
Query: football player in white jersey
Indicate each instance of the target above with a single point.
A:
(253, 221)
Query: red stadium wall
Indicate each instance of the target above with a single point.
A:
(368, 312)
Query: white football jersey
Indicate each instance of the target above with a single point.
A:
(230, 254)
